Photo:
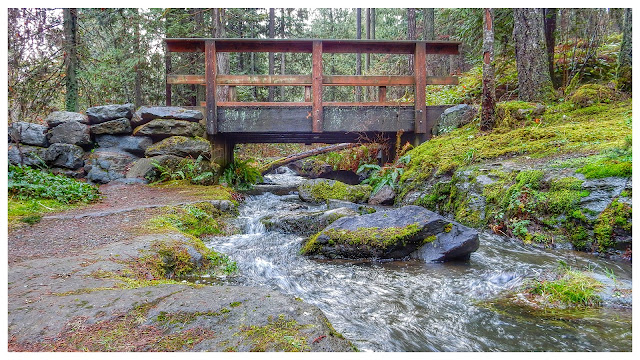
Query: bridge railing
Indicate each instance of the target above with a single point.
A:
(315, 82)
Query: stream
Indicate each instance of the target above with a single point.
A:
(418, 306)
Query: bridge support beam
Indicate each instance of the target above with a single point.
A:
(221, 151)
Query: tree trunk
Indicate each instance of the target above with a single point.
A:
(282, 64)
(271, 58)
(429, 34)
(550, 21)
(358, 56)
(488, 117)
(218, 31)
(624, 59)
(70, 24)
(411, 32)
(137, 86)
(534, 81)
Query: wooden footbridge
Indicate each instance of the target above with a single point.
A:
(312, 120)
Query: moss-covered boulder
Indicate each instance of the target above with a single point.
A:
(180, 146)
(591, 94)
(513, 114)
(321, 190)
(305, 223)
(394, 234)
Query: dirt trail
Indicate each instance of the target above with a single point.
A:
(59, 301)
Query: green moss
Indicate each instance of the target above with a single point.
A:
(606, 168)
(196, 219)
(374, 237)
(590, 94)
(616, 218)
(325, 190)
(278, 334)
(311, 245)
(512, 114)
(561, 130)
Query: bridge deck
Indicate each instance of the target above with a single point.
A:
(313, 120)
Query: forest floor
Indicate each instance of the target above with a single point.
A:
(62, 298)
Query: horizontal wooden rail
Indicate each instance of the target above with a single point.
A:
(302, 104)
(306, 46)
(305, 80)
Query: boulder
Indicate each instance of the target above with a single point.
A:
(393, 234)
(321, 190)
(28, 133)
(145, 169)
(304, 223)
(455, 117)
(26, 155)
(71, 132)
(384, 196)
(135, 145)
(148, 113)
(112, 127)
(601, 191)
(456, 244)
(180, 146)
(100, 114)
(60, 117)
(68, 156)
(164, 128)
(105, 166)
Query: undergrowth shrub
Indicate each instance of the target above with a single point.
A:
(27, 183)
(241, 175)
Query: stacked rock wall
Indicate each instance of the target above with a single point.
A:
(111, 142)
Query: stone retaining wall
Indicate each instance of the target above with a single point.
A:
(111, 142)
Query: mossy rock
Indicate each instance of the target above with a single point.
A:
(321, 190)
(512, 114)
(612, 229)
(591, 94)
(180, 146)
(393, 234)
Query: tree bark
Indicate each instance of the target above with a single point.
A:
(488, 118)
(282, 63)
(358, 56)
(429, 34)
(411, 32)
(70, 25)
(624, 59)
(218, 31)
(550, 22)
(271, 58)
(534, 81)
(137, 86)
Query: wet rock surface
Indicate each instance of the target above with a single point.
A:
(100, 114)
(395, 234)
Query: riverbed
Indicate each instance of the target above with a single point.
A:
(416, 306)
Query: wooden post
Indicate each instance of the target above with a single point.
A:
(420, 73)
(316, 78)
(210, 69)
(221, 151)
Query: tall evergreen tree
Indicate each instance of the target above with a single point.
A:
(534, 80)
(488, 117)
(624, 59)
(71, 57)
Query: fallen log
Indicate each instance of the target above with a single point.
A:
(305, 154)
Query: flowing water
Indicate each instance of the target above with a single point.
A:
(417, 306)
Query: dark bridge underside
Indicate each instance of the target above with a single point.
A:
(293, 124)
